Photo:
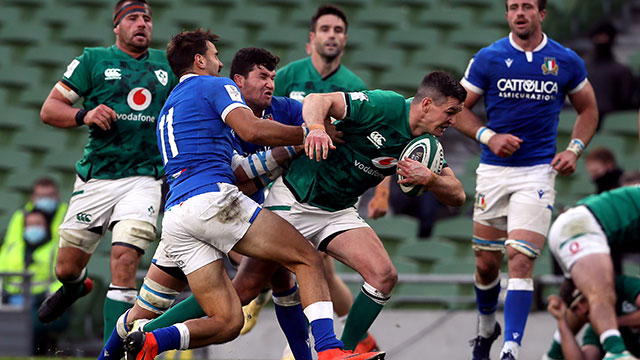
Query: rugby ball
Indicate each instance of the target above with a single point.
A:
(427, 150)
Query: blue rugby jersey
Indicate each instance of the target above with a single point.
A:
(195, 143)
(283, 110)
(524, 93)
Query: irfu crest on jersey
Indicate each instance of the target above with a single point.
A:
(162, 77)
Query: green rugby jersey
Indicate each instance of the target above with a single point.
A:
(136, 90)
(299, 79)
(376, 130)
(627, 289)
(618, 211)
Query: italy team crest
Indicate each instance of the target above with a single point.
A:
(550, 66)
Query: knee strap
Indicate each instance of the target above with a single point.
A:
(488, 245)
(525, 247)
(155, 297)
(139, 234)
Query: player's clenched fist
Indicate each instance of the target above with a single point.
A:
(504, 145)
(318, 143)
(101, 116)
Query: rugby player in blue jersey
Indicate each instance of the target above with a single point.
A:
(524, 78)
(196, 144)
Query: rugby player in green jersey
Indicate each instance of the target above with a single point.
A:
(323, 72)
(119, 177)
(581, 239)
(318, 197)
(571, 310)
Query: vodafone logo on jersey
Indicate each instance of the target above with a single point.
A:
(384, 162)
(139, 98)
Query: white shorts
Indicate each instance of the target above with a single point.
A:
(204, 228)
(97, 204)
(515, 198)
(575, 234)
(315, 224)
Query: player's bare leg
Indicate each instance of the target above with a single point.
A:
(379, 274)
(593, 276)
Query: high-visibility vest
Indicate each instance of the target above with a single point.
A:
(13, 251)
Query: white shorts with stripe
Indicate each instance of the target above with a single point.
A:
(510, 198)
(97, 204)
(315, 224)
(204, 228)
(575, 234)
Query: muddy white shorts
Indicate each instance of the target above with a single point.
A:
(575, 234)
(204, 228)
(522, 194)
(315, 224)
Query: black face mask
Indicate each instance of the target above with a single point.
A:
(603, 51)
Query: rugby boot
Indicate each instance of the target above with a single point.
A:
(625, 355)
(252, 311)
(140, 346)
(57, 303)
(366, 345)
(339, 354)
(482, 345)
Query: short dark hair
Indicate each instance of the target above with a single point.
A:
(185, 45)
(601, 154)
(247, 58)
(604, 27)
(45, 181)
(328, 9)
(542, 4)
(438, 86)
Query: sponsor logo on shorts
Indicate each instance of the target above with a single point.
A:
(480, 202)
(112, 74)
(139, 98)
(151, 210)
(84, 217)
(384, 162)
(574, 248)
(368, 170)
(540, 193)
(376, 139)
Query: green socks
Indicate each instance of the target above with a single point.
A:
(111, 312)
(362, 314)
(184, 310)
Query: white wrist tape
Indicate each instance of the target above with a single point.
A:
(256, 164)
(576, 146)
(291, 151)
(484, 134)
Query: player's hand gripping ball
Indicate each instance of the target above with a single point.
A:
(427, 150)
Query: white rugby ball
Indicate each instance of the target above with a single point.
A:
(427, 150)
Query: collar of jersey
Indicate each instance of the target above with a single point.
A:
(186, 76)
(542, 44)
(310, 63)
(119, 51)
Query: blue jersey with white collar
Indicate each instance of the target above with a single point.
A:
(524, 93)
(283, 110)
(193, 138)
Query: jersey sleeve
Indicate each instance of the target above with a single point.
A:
(474, 77)
(77, 77)
(579, 73)
(372, 105)
(295, 112)
(590, 337)
(223, 95)
(627, 288)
